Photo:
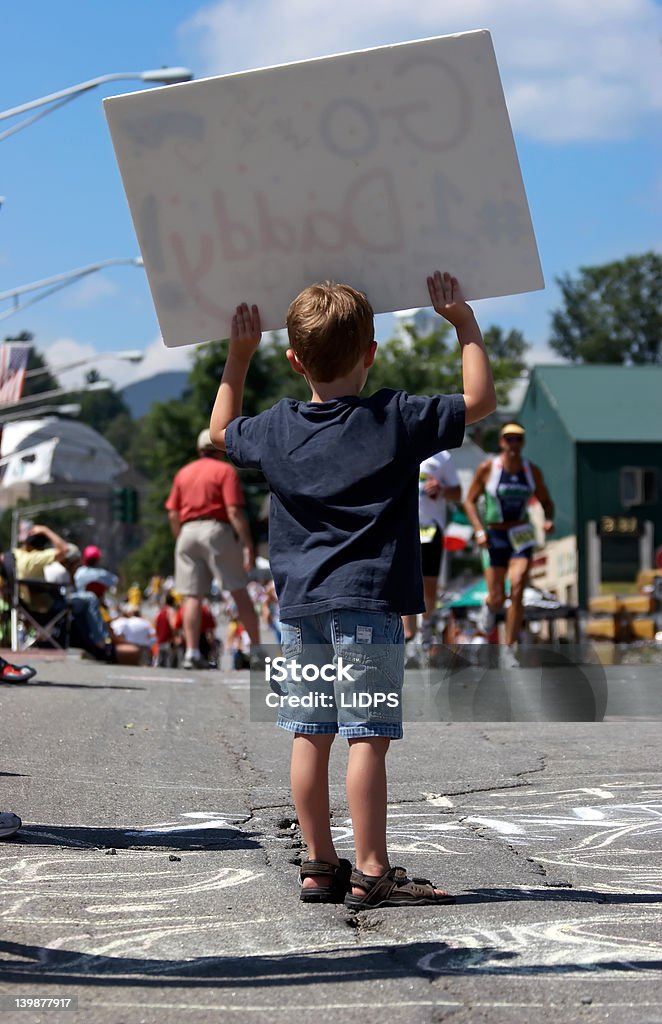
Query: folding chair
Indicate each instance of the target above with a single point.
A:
(40, 611)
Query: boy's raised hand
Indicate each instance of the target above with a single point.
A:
(447, 298)
(246, 331)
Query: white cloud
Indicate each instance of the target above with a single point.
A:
(65, 351)
(545, 355)
(88, 292)
(501, 307)
(156, 359)
(573, 70)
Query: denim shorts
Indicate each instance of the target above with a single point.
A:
(345, 670)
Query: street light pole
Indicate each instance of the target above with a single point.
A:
(43, 396)
(130, 356)
(163, 76)
(71, 409)
(58, 281)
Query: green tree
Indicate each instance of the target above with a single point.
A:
(507, 358)
(99, 409)
(611, 313)
(154, 556)
(125, 435)
(432, 363)
(269, 378)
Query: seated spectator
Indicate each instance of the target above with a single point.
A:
(89, 630)
(134, 636)
(39, 547)
(165, 628)
(91, 576)
(238, 643)
(154, 588)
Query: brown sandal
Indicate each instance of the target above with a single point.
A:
(334, 893)
(393, 889)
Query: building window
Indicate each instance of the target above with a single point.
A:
(638, 486)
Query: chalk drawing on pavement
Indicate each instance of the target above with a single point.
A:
(609, 943)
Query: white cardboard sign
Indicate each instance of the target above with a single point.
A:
(372, 168)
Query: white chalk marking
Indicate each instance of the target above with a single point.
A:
(505, 827)
(437, 800)
(588, 813)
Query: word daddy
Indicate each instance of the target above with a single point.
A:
(364, 167)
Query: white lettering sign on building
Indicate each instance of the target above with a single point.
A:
(373, 168)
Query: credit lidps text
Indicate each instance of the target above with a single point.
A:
(281, 670)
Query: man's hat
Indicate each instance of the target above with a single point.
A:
(512, 428)
(90, 553)
(205, 443)
(72, 554)
(24, 530)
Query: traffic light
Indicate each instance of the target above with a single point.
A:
(118, 504)
(125, 504)
(130, 505)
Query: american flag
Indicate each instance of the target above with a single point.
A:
(13, 363)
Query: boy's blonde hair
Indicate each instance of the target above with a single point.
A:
(330, 326)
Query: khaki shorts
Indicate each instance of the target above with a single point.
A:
(208, 550)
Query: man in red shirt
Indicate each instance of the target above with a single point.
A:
(213, 541)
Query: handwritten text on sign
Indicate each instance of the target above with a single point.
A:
(373, 168)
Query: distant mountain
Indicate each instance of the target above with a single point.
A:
(160, 388)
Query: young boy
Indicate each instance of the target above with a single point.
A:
(344, 548)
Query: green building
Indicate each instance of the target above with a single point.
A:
(596, 433)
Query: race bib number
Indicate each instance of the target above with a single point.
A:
(427, 533)
(521, 537)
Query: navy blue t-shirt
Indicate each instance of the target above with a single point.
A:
(343, 475)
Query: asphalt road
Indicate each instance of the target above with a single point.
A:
(153, 878)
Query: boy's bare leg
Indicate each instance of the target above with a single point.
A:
(309, 776)
(367, 799)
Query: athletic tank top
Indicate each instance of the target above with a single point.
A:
(507, 494)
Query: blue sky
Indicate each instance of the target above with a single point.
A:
(582, 83)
